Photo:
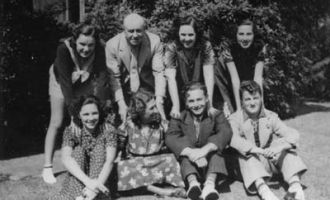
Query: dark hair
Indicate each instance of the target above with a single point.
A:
(194, 86)
(250, 86)
(86, 29)
(197, 26)
(78, 103)
(248, 22)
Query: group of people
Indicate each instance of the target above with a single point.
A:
(146, 84)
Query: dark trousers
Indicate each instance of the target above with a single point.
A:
(216, 164)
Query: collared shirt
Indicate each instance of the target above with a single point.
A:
(271, 129)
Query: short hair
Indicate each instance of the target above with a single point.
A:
(135, 16)
(87, 29)
(249, 86)
(78, 103)
(194, 86)
(188, 20)
(248, 22)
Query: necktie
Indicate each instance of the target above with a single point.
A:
(255, 125)
(134, 72)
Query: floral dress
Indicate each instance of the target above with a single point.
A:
(89, 151)
(146, 164)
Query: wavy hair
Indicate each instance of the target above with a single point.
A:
(191, 21)
(78, 103)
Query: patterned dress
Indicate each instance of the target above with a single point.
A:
(89, 151)
(146, 164)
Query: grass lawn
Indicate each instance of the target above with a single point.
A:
(312, 121)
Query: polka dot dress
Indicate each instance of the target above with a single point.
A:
(89, 151)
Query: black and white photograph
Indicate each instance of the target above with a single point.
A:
(164, 99)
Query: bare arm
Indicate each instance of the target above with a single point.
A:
(235, 82)
(208, 71)
(72, 166)
(173, 90)
(258, 73)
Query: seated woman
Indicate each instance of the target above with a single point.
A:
(189, 58)
(244, 58)
(88, 154)
(147, 165)
(79, 69)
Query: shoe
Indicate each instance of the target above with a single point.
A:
(194, 192)
(48, 176)
(210, 193)
(296, 191)
(266, 194)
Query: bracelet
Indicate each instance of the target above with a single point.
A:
(49, 166)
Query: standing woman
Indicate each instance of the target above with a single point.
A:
(244, 58)
(188, 58)
(79, 68)
(87, 154)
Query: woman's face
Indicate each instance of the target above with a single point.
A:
(89, 116)
(85, 45)
(245, 36)
(187, 36)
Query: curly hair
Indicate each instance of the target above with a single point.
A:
(138, 106)
(197, 26)
(78, 103)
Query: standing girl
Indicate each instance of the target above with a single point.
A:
(79, 68)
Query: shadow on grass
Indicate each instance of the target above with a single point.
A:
(306, 107)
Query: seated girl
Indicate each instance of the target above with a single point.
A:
(147, 165)
(88, 154)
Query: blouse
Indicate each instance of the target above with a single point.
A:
(244, 59)
(64, 67)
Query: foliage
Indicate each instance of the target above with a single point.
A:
(291, 29)
(287, 71)
(27, 49)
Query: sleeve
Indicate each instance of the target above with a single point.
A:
(208, 54)
(175, 139)
(225, 51)
(170, 56)
(159, 69)
(68, 137)
(114, 70)
(223, 132)
(281, 130)
(238, 141)
(63, 69)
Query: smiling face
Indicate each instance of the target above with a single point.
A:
(85, 45)
(187, 36)
(196, 102)
(89, 116)
(251, 103)
(245, 36)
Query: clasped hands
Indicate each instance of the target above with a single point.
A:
(270, 152)
(93, 187)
